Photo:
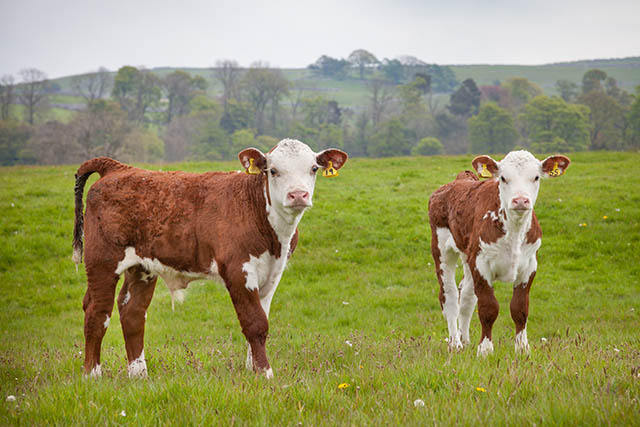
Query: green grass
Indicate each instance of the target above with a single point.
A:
(364, 243)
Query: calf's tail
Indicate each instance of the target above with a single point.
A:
(102, 165)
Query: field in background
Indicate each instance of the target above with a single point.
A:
(357, 306)
(352, 91)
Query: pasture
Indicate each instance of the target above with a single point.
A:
(356, 331)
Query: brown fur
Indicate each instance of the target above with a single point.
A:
(185, 221)
(460, 206)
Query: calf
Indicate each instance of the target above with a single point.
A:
(232, 226)
(491, 226)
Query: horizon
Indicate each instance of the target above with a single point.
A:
(196, 33)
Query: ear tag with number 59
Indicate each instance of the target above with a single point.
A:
(556, 171)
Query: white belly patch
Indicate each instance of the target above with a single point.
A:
(176, 280)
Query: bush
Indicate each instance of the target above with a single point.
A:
(428, 147)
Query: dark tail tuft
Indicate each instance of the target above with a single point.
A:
(102, 165)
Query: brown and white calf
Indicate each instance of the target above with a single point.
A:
(184, 226)
(491, 226)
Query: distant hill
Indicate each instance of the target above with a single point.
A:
(352, 91)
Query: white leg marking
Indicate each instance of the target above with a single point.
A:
(485, 348)
(450, 309)
(96, 372)
(106, 322)
(268, 373)
(249, 362)
(522, 344)
(138, 368)
(468, 302)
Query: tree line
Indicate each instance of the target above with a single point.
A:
(138, 115)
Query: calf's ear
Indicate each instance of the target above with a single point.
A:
(331, 160)
(555, 165)
(485, 166)
(252, 160)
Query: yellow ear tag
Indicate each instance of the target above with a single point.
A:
(485, 172)
(555, 171)
(252, 169)
(330, 171)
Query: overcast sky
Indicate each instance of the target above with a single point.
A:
(64, 37)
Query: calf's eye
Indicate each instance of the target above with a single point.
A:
(503, 180)
(314, 169)
(274, 172)
(536, 178)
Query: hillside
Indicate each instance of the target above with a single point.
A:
(352, 91)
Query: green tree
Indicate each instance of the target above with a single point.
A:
(634, 121)
(492, 130)
(327, 66)
(552, 119)
(362, 59)
(608, 121)
(465, 101)
(7, 96)
(592, 81)
(429, 146)
(142, 145)
(52, 143)
(13, 137)
(92, 86)
(241, 139)
(393, 70)
(211, 142)
(567, 90)
(443, 79)
(390, 140)
(100, 130)
(136, 91)
(264, 86)
(521, 90)
(181, 88)
(229, 74)
(236, 116)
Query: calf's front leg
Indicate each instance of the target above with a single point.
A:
(488, 308)
(520, 311)
(253, 321)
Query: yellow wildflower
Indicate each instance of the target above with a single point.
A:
(343, 386)
(605, 217)
(480, 389)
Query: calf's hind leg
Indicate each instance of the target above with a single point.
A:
(468, 301)
(445, 259)
(133, 302)
(97, 305)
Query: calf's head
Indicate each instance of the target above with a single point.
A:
(291, 168)
(519, 176)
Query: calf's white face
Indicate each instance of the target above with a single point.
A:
(291, 168)
(519, 175)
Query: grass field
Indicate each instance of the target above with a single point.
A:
(357, 306)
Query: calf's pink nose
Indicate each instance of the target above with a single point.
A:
(520, 203)
(298, 196)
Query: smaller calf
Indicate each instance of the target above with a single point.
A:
(492, 227)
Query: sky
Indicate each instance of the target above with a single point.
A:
(66, 37)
